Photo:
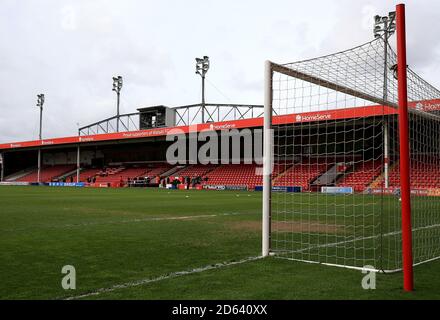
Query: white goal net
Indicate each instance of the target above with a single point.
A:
(335, 198)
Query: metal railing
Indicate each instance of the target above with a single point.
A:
(127, 122)
(184, 116)
(192, 114)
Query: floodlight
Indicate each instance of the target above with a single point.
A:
(377, 19)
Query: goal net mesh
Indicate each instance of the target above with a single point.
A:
(336, 182)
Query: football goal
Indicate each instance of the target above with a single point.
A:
(358, 162)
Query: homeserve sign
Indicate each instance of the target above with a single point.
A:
(428, 107)
(315, 117)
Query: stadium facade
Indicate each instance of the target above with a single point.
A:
(138, 157)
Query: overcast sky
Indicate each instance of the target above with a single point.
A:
(70, 50)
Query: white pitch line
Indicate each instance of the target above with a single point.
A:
(84, 224)
(163, 277)
(155, 219)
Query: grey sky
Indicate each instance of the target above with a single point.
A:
(69, 50)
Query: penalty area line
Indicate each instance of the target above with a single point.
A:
(163, 277)
(134, 220)
(152, 219)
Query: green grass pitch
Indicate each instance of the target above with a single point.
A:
(122, 238)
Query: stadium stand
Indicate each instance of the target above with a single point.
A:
(48, 173)
(87, 173)
(117, 174)
(301, 174)
(234, 175)
(196, 170)
(109, 174)
(157, 170)
(423, 175)
(362, 175)
(249, 175)
(114, 175)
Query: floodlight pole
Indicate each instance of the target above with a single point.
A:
(78, 163)
(78, 156)
(387, 30)
(117, 112)
(405, 183)
(39, 165)
(2, 160)
(117, 86)
(203, 98)
(40, 103)
(202, 67)
(40, 135)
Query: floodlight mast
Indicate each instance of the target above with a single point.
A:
(40, 103)
(117, 86)
(2, 164)
(202, 67)
(384, 27)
